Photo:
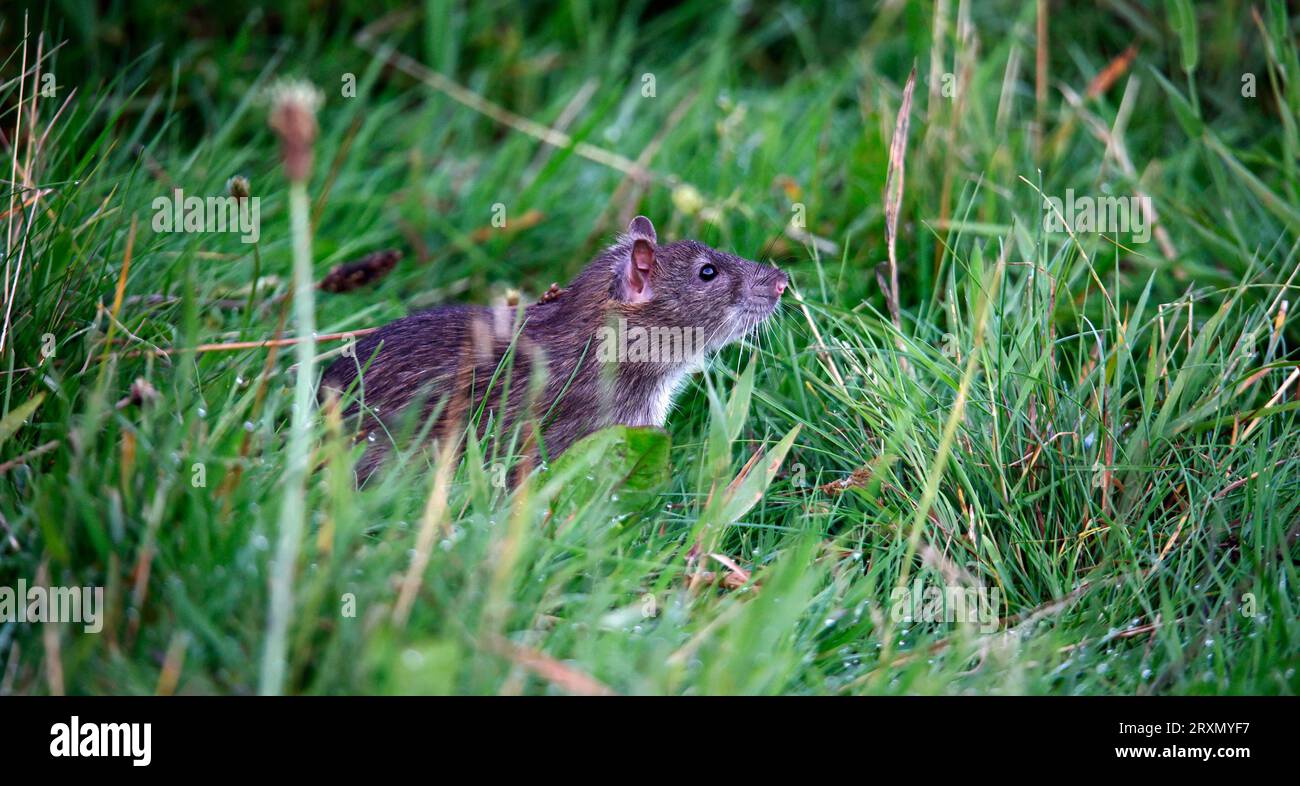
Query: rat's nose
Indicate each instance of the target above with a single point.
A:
(779, 285)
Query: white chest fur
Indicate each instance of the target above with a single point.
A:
(653, 410)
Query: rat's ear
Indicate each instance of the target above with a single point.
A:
(642, 228)
(634, 270)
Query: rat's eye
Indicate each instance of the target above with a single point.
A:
(708, 272)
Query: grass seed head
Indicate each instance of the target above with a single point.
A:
(293, 117)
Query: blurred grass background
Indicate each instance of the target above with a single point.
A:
(1102, 430)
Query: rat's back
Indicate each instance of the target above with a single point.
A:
(420, 356)
(404, 355)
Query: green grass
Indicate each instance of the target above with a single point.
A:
(1098, 429)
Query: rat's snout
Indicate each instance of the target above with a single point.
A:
(779, 285)
(768, 284)
(771, 283)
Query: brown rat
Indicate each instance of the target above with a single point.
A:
(613, 347)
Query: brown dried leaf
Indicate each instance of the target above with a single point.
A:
(1112, 72)
(562, 676)
(361, 272)
(894, 190)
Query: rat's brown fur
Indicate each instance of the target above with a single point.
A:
(559, 372)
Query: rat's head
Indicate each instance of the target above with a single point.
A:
(687, 285)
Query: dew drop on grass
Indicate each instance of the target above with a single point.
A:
(248, 425)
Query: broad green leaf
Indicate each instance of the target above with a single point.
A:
(738, 404)
(420, 668)
(17, 416)
(752, 487)
(627, 462)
